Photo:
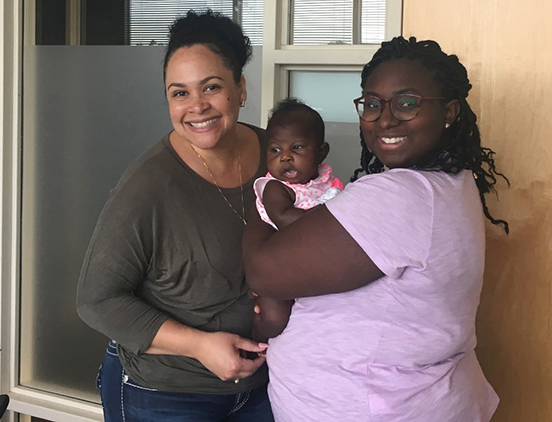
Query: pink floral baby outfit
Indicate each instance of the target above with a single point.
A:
(308, 195)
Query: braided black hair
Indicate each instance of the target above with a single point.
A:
(464, 151)
(217, 32)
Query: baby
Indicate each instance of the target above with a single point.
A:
(296, 181)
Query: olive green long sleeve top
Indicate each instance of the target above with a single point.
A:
(167, 245)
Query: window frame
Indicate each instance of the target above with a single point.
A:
(279, 56)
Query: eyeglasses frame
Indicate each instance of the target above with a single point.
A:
(383, 101)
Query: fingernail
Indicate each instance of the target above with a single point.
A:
(263, 344)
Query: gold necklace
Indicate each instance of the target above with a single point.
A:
(242, 216)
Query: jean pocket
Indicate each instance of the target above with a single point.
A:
(128, 382)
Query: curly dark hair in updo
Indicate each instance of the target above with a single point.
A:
(464, 151)
(217, 32)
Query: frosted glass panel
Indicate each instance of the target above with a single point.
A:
(329, 93)
(88, 111)
(332, 94)
(344, 156)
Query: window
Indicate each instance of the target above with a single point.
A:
(335, 22)
(327, 36)
(132, 22)
(150, 19)
(373, 21)
(314, 22)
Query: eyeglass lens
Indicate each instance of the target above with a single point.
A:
(403, 106)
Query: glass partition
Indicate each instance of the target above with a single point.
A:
(88, 111)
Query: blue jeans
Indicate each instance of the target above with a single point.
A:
(125, 401)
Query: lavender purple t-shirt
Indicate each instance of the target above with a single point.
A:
(402, 347)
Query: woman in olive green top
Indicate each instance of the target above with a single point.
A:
(162, 276)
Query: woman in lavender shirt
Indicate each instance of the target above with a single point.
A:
(390, 271)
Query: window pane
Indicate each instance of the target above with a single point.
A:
(252, 20)
(50, 22)
(104, 22)
(150, 19)
(138, 22)
(322, 22)
(334, 101)
(325, 22)
(73, 154)
(373, 21)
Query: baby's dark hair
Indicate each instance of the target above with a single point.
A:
(293, 104)
(217, 32)
(464, 151)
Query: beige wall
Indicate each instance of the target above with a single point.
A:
(507, 47)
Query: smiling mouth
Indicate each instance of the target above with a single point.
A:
(199, 125)
(393, 140)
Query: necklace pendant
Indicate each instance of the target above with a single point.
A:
(242, 216)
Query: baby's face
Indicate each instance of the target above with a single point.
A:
(293, 154)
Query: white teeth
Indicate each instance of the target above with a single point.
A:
(203, 124)
(395, 140)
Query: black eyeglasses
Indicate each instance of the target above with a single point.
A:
(403, 106)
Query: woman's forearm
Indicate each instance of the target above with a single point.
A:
(219, 352)
(174, 338)
(314, 256)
